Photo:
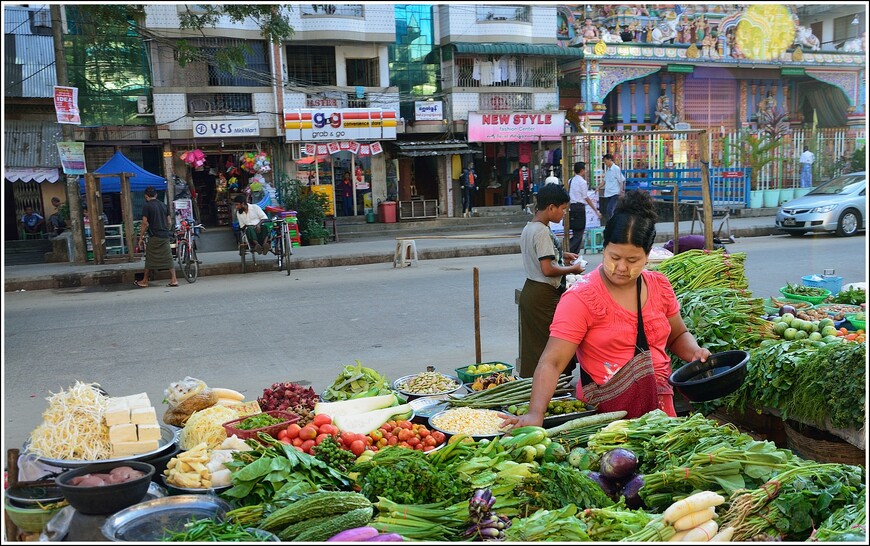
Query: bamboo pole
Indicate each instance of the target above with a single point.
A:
(127, 213)
(705, 190)
(95, 219)
(477, 355)
(676, 220)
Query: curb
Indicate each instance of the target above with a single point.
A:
(127, 276)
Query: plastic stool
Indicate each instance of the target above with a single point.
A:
(593, 242)
(406, 253)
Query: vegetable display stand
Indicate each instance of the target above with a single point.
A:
(818, 445)
(287, 419)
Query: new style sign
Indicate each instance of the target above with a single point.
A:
(66, 105)
(226, 127)
(426, 110)
(515, 126)
(331, 124)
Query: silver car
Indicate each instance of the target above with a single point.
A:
(837, 205)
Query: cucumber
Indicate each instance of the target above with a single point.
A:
(598, 418)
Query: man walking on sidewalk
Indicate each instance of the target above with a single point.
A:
(614, 187)
(807, 160)
(578, 189)
(155, 222)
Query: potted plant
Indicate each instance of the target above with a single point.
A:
(310, 208)
(314, 233)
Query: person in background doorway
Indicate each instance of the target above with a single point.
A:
(544, 264)
(346, 189)
(578, 189)
(614, 187)
(58, 224)
(524, 186)
(807, 160)
(32, 222)
(251, 218)
(468, 184)
(156, 222)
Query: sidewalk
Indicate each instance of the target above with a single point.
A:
(342, 254)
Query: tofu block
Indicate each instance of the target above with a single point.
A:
(140, 400)
(115, 403)
(117, 416)
(133, 448)
(143, 416)
(124, 432)
(149, 432)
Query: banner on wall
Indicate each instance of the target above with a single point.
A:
(72, 157)
(66, 105)
(339, 124)
(515, 126)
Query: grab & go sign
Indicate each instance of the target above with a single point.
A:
(331, 124)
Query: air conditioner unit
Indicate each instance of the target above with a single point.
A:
(143, 105)
(42, 18)
(295, 149)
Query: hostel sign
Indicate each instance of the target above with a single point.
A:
(306, 125)
(515, 126)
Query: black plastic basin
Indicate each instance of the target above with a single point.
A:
(105, 499)
(719, 376)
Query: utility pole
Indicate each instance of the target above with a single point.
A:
(72, 182)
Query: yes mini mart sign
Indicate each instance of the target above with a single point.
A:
(226, 127)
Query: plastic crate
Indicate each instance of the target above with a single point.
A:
(272, 430)
(466, 377)
(828, 282)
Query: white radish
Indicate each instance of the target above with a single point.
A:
(679, 536)
(694, 519)
(703, 532)
(228, 393)
(692, 503)
(724, 535)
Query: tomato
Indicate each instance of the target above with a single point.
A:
(285, 441)
(851, 337)
(320, 438)
(376, 434)
(386, 427)
(297, 441)
(357, 447)
(429, 441)
(282, 434)
(327, 429)
(369, 440)
(419, 447)
(405, 445)
(392, 423)
(322, 419)
(307, 445)
(428, 448)
(383, 442)
(393, 440)
(308, 432)
(298, 449)
(405, 424)
(405, 435)
(347, 438)
(293, 431)
(439, 436)
(413, 441)
(424, 432)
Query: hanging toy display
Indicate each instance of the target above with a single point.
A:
(256, 162)
(232, 172)
(194, 158)
(358, 173)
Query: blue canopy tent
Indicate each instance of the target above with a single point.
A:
(120, 164)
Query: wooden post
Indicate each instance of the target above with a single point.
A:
(92, 194)
(676, 219)
(705, 189)
(566, 240)
(127, 214)
(477, 355)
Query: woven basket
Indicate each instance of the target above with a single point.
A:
(813, 444)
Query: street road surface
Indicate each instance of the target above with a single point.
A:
(248, 331)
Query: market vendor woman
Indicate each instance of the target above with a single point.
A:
(619, 320)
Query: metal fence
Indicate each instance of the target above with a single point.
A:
(510, 71)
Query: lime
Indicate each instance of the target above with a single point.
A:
(790, 333)
(800, 334)
(500, 367)
(831, 339)
(808, 326)
(815, 336)
(829, 331)
(797, 324)
(825, 322)
(787, 318)
(779, 328)
(471, 370)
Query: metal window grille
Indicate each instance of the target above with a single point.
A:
(311, 65)
(505, 101)
(521, 72)
(255, 71)
(211, 103)
(338, 10)
(354, 102)
(365, 72)
(504, 13)
(710, 103)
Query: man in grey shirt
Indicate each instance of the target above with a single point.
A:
(614, 187)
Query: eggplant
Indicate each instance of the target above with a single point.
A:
(618, 463)
(357, 534)
(631, 492)
(787, 309)
(387, 537)
(606, 485)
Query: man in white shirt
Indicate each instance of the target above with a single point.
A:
(552, 179)
(578, 190)
(251, 218)
(807, 160)
(614, 187)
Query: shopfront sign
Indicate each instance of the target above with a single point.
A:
(66, 105)
(72, 157)
(428, 110)
(307, 125)
(226, 127)
(515, 126)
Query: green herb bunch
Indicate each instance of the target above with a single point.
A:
(330, 452)
(406, 477)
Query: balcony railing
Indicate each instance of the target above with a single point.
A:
(336, 10)
(219, 103)
(520, 14)
(505, 101)
(509, 72)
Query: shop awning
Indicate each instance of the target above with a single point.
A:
(17, 174)
(443, 147)
(517, 49)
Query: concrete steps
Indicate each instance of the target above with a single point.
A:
(351, 228)
(31, 251)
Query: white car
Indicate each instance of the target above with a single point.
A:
(838, 205)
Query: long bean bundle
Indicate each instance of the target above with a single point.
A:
(506, 394)
(614, 523)
(695, 269)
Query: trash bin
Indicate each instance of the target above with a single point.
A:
(387, 212)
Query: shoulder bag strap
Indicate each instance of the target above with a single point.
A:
(641, 344)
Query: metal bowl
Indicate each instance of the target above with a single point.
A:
(149, 521)
(454, 433)
(719, 376)
(168, 438)
(30, 495)
(178, 490)
(459, 386)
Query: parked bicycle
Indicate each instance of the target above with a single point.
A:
(185, 250)
(278, 242)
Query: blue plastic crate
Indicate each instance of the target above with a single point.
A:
(828, 282)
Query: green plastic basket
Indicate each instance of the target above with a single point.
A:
(29, 520)
(772, 309)
(466, 377)
(815, 300)
(858, 324)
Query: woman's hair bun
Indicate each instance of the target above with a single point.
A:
(638, 203)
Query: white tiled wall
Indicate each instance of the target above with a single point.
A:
(169, 107)
(541, 101)
(458, 23)
(461, 103)
(264, 103)
(166, 16)
(379, 19)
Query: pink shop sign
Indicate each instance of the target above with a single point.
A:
(515, 126)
